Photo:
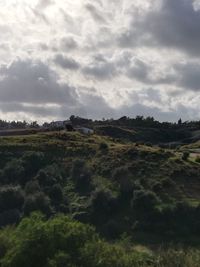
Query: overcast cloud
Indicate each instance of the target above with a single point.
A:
(99, 59)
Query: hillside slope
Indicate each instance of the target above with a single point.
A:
(118, 187)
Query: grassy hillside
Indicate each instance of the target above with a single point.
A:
(95, 164)
(124, 189)
(146, 134)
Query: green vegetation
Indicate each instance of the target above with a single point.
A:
(100, 197)
(185, 155)
(61, 241)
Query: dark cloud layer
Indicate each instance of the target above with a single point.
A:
(33, 82)
(33, 88)
(68, 43)
(100, 68)
(95, 13)
(175, 24)
(188, 75)
(66, 62)
(139, 70)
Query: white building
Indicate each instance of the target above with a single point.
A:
(59, 124)
(84, 130)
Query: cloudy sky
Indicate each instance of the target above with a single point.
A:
(99, 58)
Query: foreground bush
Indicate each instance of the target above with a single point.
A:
(185, 155)
(61, 242)
(176, 258)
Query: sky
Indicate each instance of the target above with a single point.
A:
(99, 59)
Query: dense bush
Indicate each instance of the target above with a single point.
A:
(81, 176)
(121, 175)
(170, 220)
(32, 187)
(143, 205)
(197, 159)
(11, 197)
(33, 161)
(185, 155)
(148, 144)
(103, 206)
(37, 202)
(49, 176)
(62, 242)
(56, 193)
(103, 146)
(10, 217)
(13, 172)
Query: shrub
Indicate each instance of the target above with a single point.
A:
(32, 187)
(62, 241)
(179, 257)
(197, 159)
(132, 153)
(77, 168)
(49, 176)
(158, 187)
(139, 143)
(9, 217)
(11, 197)
(13, 172)
(104, 205)
(39, 243)
(103, 146)
(56, 193)
(5, 240)
(33, 161)
(167, 183)
(185, 155)
(37, 202)
(122, 176)
(144, 200)
(163, 146)
(148, 144)
(112, 229)
(81, 176)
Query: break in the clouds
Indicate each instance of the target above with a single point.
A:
(99, 59)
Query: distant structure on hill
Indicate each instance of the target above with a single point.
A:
(67, 124)
(84, 130)
(61, 125)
